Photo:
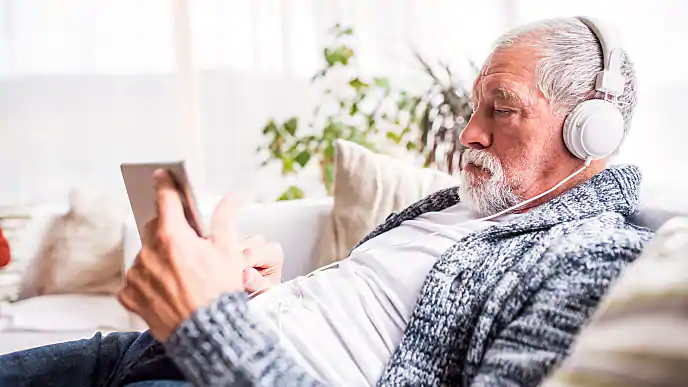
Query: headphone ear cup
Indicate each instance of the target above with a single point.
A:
(594, 129)
(572, 133)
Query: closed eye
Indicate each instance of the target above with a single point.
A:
(502, 112)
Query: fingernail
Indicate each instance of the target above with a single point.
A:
(250, 275)
(158, 174)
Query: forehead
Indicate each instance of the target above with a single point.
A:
(508, 70)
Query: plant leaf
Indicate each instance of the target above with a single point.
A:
(394, 137)
(270, 127)
(382, 82)
(292, 193)
(357, 84)
(329, 151)
(329, 178)
(354, 109)
(303, 158)
(291, 125)
(287, 165)
(338, 55)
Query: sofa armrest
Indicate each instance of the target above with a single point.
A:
(297, 225)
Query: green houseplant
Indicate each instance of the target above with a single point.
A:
(371, 112)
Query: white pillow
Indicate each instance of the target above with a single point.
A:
(368, 186)
(81, 251)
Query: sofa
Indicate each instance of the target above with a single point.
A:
(296, 225)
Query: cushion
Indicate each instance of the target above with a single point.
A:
(367, 188)
(639, 334)
(81, 251)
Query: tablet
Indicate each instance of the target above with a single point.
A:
(140, 186)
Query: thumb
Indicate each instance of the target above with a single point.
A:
(167, 200)
(254, 282)
(223, 227)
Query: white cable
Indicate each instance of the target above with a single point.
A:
(523, 203)
(280, 309)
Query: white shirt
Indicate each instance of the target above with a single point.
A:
(344, 323)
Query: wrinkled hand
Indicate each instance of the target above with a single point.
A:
(177, 272)
(263, 263)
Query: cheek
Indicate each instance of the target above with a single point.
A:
(521, 167)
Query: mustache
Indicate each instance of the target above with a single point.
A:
(481, 159)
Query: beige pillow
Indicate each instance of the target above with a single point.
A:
(639, 334)
(81, 251)
(368, 187)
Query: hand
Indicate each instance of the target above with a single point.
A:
(177, 272)
(264, 263)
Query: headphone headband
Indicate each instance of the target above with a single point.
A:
(610, 80)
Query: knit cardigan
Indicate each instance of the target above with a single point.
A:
(501, 307)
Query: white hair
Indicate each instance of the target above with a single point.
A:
(570, 58)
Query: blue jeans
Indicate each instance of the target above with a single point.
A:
(119, 359)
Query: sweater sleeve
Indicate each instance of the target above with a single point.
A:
(540, 335)
(224, 345)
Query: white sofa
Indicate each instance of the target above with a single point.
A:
(296, 225)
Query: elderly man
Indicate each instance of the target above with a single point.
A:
(487, 290)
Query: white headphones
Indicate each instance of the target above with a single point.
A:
(595, 128)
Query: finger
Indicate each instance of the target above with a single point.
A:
(223, 226)
(126, 300)
(130, 299)
(134, 268)
(150, 231)
(267, 255)
(167, 200)
(254, 282)
(254, 240)
(252, 243)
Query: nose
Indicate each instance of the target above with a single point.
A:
(477, 133)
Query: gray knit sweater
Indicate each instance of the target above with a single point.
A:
(500, 307)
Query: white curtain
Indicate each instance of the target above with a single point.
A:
(88, 84)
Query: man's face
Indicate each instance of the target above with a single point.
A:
(516, 149)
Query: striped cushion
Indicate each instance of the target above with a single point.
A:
(639, 335)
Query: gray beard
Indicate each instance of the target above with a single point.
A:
(490, 196)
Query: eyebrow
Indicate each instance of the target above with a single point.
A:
(504, 93)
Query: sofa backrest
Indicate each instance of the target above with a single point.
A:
(654, 218)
